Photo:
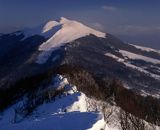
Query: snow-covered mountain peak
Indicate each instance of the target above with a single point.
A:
(64, 20)
(70, 30)
(49, 25)
(59, 33)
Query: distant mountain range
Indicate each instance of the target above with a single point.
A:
(67, 46)
(66, 41)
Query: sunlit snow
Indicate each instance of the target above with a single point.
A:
(70, 31)
(65, 113)
(138, 57)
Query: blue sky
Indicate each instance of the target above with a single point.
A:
(134, 21)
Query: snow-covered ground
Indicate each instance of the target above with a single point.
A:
(59, 33)
(146, 49)
(138, 57)
(68, 112)
(128, 64)
(72, 110)
(70, 30)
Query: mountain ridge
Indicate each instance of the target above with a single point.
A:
(49, 52)
(52, 61)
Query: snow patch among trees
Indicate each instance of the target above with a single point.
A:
(138, 57)
(69, 111)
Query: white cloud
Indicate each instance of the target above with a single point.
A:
(109, 8)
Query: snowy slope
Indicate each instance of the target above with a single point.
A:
(72, 111)
(139, 57)
(70, 31)
(47, 30)
(61, 32)
(50, 117)
(146, 49)
(50, 25)
(135, 56)
(58, 34)
(68, 112)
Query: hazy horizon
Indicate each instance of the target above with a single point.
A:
(132, 21)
